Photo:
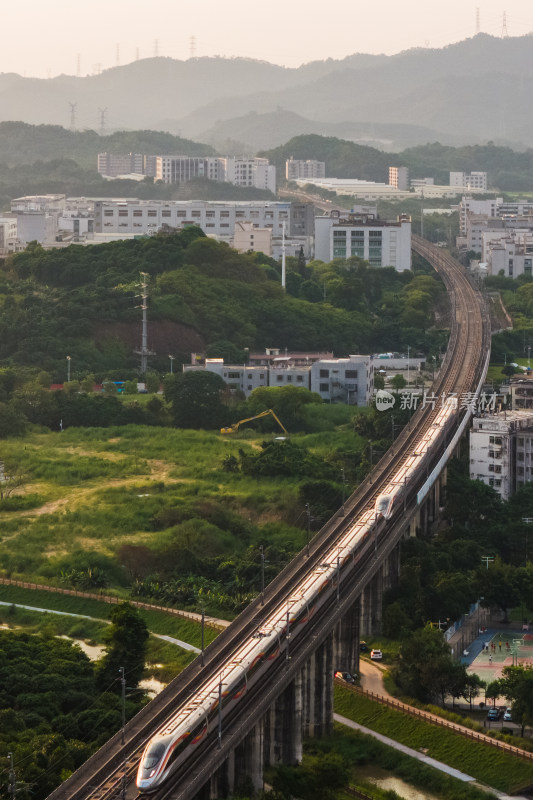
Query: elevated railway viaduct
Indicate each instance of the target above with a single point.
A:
(294, 697)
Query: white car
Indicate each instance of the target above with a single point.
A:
(507, 715)
(376, 655)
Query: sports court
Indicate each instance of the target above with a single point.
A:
(493, 650)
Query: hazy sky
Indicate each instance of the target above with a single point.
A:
(46, 38)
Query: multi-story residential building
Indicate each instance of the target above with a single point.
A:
(383, 244)
(521, 393)
(111, 165)
(296, 169)
(181, 169)
(337, 380)
(501, 450)
(254, 172)
(511, 254)
(8, 234)
(399, 178)
(248, 238)
(477, 208)
(469, 180)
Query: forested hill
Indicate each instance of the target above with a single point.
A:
(82, 302)
(508, 170)
(24, 144)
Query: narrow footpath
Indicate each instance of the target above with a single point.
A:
(431, 762)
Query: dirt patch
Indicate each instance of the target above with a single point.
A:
(164, 336)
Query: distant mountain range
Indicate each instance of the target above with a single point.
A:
(471, 92)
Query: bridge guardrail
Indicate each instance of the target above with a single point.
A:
(112, 599)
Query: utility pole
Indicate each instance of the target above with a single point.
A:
(487, 560)
(68, 369)
(283, 267)
(262, 551)
(102, 112)
(203, 626)
(144, 352)
(343, 489)
(172, 364)
(73, 107)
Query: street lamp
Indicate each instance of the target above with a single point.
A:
(68, 369)
(172, 364)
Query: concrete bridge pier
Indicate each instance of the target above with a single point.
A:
(249, 759)
(346, 641)
(283, 727)
(371, 603)
(317, 691)
(222, 781)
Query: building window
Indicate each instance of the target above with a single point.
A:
(152, 212)
(234, 375)
(350, 373)
(279, 378)
(324, 387)
(324, 373)
(494, 439)
(299, 378)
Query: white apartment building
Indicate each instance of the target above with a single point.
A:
(382, 244)
(469, 180)
(344, 380)
(501, 450)
(337, 380)
(252, 172)
(399, 178)
(255, 172)
(133, 216)
(297, 169)
(478, 208)
(511, 254)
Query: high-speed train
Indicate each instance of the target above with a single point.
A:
(175, 741)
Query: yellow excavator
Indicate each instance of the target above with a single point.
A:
(236, 425)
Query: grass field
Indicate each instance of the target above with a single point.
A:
(487, 764)
(95, 490)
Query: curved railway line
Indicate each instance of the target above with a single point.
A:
(103, 776)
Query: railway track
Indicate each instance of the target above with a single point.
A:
(105, 775)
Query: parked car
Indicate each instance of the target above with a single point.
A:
(494, 714)
(507, 715)
(376, 655)
(345, 676)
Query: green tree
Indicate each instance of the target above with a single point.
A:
(152, 381)
(398, 382)
(127, 638)
(517, 685)
(425, 668)
(498, 586)
(194, 397)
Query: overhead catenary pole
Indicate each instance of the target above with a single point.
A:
(123, 697)
(283, 266)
